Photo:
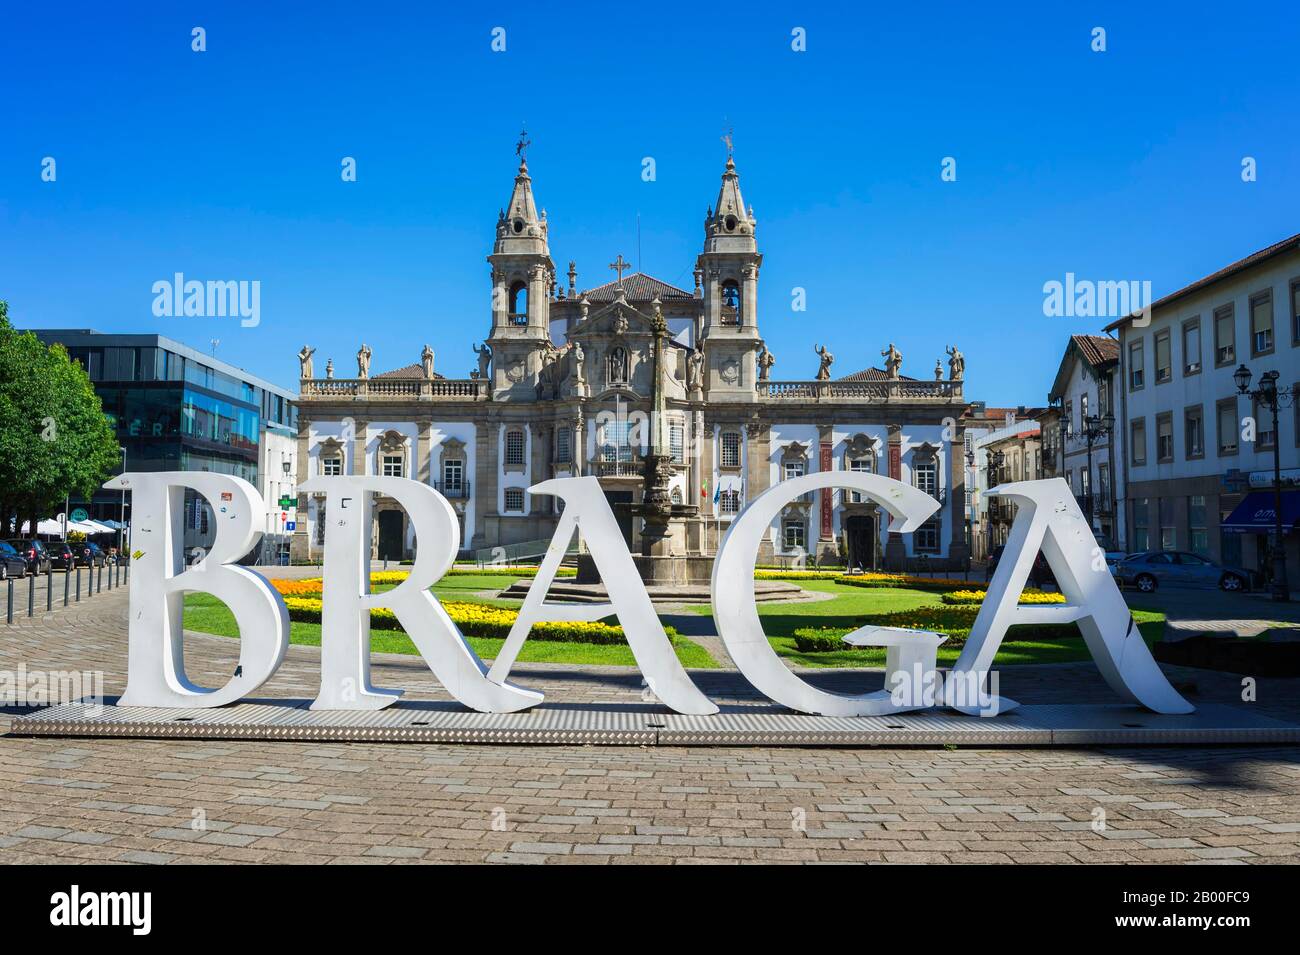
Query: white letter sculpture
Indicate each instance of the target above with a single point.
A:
(346, 600)
(735, 612)
(1049, 517)
(155, 671)
(585, 502)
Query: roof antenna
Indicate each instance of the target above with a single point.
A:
(638, 243)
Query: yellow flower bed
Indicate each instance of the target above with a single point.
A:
(977, 596)
(477, 620)
(902, 580)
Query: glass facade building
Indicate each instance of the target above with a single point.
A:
(176, 409)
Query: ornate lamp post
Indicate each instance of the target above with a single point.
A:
(1268, 395)
(1095, 427)
(970, 508)
(995, 459)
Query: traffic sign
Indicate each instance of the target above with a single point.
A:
(291, 525)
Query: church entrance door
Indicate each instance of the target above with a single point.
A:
(861, 532)
(391, 526)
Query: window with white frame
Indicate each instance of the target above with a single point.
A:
(794, 468)
(794, 533)
(863, 465)
(515, 447)
(514, 500)
(925, 475)
(331, 466)
(392, 465)
(731, 449)
(453, 475)
(927, 537)
(677, 442)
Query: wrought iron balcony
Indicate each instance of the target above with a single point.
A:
(452, 489)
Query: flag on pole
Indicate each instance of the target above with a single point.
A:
(704, 489)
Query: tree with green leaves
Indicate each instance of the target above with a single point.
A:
(54, 439)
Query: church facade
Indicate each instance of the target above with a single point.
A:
(568, 382)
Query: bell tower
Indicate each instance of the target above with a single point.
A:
(728, 268)
(523, 276)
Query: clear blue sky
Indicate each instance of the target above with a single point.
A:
(225, 164)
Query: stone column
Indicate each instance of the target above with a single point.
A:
(895, 550)
(299, 543)
(484, 488)
(825, 515)
(423, 464)
(749, 296)
(359, 462)
(537, 300)
(958, 550)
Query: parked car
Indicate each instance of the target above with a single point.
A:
(33, 551)
(12, 563)
(1039, 574)
(90, 555)
(1168, 568)
(62, 554)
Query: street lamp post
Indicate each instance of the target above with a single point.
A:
(970, 507)
(121, 514)
(1095, 427)
(995, 459)
(1268, 395)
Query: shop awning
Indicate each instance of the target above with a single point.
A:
(1254, 515)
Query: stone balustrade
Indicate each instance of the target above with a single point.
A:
(901, 390)
(394, 389)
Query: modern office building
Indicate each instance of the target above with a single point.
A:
(177, 409)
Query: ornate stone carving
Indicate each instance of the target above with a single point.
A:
(305, 363)
(893, 361)
(956, 363)
(363, 361)
(827, 359)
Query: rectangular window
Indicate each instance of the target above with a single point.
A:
(794, 468)
(863, 466)
(1141, 524)
(392, 465)
(1103, 484)
(1265, 436)
(1225, 336)
(332, 466)
(1137, 443)
(1261, 323)
(1136, 366)
(1194, 433)
(515, 448)
(1168, 537)
(1226, 416)
(729, 502)
(1164, 364)
(1164, 437)
(1083, 410)
(927, 537)
(731, 449)
(1192, 347)
(563, 446)
(1198, 531)
(794, 534)
(1085, 482)
(453, 475)
(677, 442)
(514, 499)
(1295, 312)
(925, 475)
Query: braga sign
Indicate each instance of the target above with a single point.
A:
(1048, 518)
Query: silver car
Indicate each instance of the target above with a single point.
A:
(1176, 568)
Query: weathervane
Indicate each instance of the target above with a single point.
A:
(523, 144)
(728, 139)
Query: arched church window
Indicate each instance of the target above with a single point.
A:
(519, 304)
(617, 365)
(731, 303)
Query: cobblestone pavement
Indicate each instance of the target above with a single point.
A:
(70, 800)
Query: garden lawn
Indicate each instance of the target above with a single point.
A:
(206, 614)
(850, 603)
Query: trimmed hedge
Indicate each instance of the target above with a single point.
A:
(932, 584)
(963, 598)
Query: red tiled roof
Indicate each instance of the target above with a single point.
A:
(873, 374)
(639, 287)
(406, 371)
(1227, 271)
(1097, 350)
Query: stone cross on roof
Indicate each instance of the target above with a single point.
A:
(619, 266)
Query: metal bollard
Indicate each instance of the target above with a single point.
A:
(78, 598)
(31, 596)
(99, 580)
(49, 588)
(67, 585)
(9, 603)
